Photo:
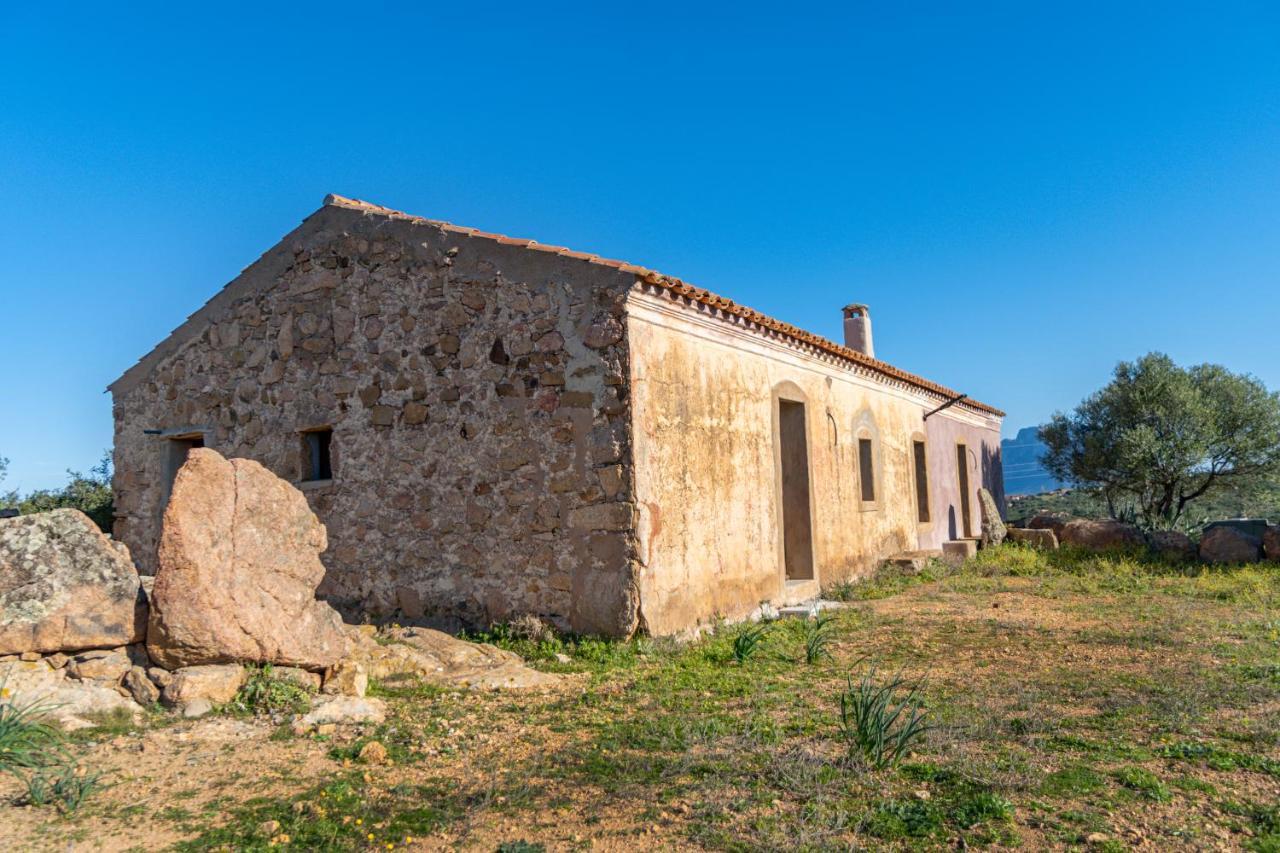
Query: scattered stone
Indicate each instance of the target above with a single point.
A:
(217, 683)
(439, 658)
(301, 677)
(29, 656)
(106, 666)
(70, 703)
(57, 660)
(912, 562)
(160, 677)
(993, 527)
(373, 752)
(269, 827)
(340, 710)
(346, 678)
(140, 687)
(65, 587)
(1226, 544)
(239, 564)
(1037, 538)
(196, 708)
(1173, 545)
(1101, 534)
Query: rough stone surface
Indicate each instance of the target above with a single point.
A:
(72, 704)
(346, 678)
(373, 752)
(302, 677)
(959, 550)
(141, 687)
(1172, 544)
(217, 683)
(913, 562)
(1229, 545)
(65, 587)
(239, 565)
(340, 710)
(441, 659)
(1100, 534)
(1050, 522)
(993, 527)
(1036, 538)
(455, 375)
(1271, 543)
(197, 708)
(108, 665)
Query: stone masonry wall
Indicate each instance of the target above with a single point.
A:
(477, 393)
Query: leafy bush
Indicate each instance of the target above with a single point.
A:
(875, 724)
(90, 493)
(265, 692)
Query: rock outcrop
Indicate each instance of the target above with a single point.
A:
(65, 587)
(993, 528)
(1226, 544)
(1101, 534)
(239, 565)
(1173, 545)
(213, 683)
(438, 658)
(70, 703)
(1050, 522)
(1036, 538)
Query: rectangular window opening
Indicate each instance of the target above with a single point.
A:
(175, 456)
(316, 459)
(962, 470)
(866, 470)
(922, 482)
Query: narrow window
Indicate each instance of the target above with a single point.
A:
(866, 470)
(962, 471)
(316, 461)
(922, 482)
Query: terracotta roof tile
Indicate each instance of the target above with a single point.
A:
(676, 286)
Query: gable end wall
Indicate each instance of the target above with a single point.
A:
(473, 481)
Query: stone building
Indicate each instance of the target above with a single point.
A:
(490, 426)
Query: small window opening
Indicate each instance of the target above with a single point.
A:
(317, 462)
(866, 470)
(922, 482)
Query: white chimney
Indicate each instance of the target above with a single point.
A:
(857, 329)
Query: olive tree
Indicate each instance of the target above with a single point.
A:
(1159, 436)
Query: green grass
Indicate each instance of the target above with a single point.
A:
(1067, 694)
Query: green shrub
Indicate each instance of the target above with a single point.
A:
(90, 493)
(265, 692)
(878, 726)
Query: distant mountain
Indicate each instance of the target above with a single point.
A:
(1024, 473)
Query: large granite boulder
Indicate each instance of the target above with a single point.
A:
(1173, 545)
(1224, 544)
(1271, 543)
(1036, 538)
(993, 529)
(65, 587)
(1050, 522)
(1100, 534)
(239, 563)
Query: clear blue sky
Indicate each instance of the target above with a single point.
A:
(1023, 196)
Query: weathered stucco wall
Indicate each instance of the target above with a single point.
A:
(476, 392)
(707, 487)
